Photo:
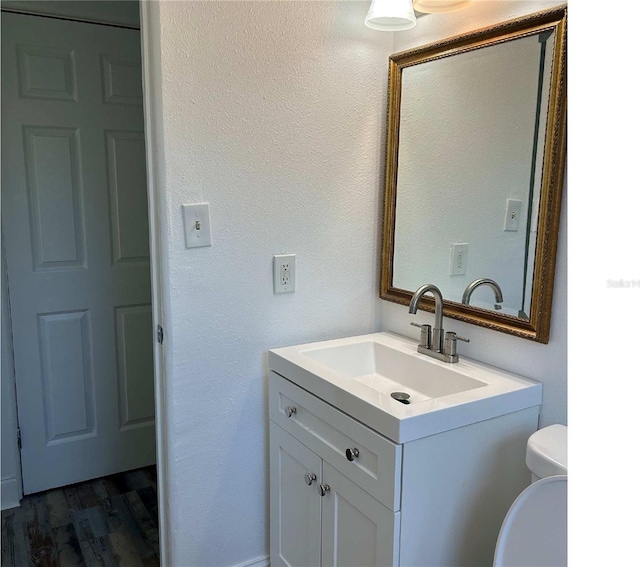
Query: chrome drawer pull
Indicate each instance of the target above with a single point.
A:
(323, 489)
(352, 454)
(310, 478)
(290, 410)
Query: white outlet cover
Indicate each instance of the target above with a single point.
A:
(197, 228)
(458, 259)
(284, 273)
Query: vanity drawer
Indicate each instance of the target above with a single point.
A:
(330, 432)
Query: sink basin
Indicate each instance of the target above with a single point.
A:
(358, 375)
(387, 370)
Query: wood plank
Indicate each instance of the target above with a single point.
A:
(87, 496)
(149, 498)
(97, 553)
(90, 524)
(71, 496)
(16, 535)
(143, 519)
(57, 507)
(124, 550)
(136, 479)
(8, 538)
(67, 546)
(121, 504)
(42, 549)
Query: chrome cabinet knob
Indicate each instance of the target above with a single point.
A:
(290, 410)
(310, 478)
(352, 454)
(323, 489)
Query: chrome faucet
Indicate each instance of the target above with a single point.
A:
(435, 344)
(466, 296)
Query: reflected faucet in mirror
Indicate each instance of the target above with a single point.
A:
(495, 204)
(466, 296)
(440, 345)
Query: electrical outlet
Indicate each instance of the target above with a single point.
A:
(284, 273)
(458, 261)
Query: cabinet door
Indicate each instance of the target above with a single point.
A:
(357, 530)
(295, 505)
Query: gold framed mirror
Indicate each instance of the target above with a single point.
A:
(476, 145)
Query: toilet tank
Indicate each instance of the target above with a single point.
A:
(547, 452)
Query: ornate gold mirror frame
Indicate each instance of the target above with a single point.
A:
(535, 328)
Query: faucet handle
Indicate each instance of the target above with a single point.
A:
(425, 334)
(451, 343)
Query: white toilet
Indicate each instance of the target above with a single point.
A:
(534, 532)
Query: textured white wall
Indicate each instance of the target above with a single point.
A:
(545, 363)
(274, 113)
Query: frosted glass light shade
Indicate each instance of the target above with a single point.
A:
(435, 6)
(390, 15)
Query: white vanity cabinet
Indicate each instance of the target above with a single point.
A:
(432, 502)
(322, 517)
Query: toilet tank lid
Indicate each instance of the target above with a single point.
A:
(547, 451)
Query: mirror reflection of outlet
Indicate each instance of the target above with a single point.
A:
(458, 260)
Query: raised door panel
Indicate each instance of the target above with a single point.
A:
(357, 530)
(295, 505)
(135, 366)
(67, 376)
(54, 192)
(128, 196)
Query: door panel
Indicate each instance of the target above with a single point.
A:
(357, 530)
(295, 506)
(74, 213)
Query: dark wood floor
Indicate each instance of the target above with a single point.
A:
(111, 521)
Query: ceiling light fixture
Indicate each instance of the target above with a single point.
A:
(436, 6)
(390, 15)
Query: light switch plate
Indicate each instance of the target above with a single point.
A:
(512, 215)
(197, 228)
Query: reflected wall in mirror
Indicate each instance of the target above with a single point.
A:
(475, 159)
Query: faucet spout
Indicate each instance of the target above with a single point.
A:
(466, 296)
(432, 343)
(437, 296)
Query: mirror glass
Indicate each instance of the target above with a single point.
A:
(469, 164)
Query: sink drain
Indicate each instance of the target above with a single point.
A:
(402, 397)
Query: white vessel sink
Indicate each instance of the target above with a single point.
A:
(358, 375)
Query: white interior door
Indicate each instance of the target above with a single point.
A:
(75, 221)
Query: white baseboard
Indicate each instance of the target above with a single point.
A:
(257, 562)
(11, 493)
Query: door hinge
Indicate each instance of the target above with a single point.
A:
(19, 439)
(160, 334)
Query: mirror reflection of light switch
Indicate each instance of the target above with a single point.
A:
(197, 228)
(512, 215)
